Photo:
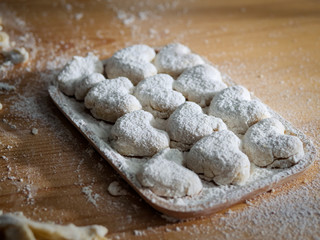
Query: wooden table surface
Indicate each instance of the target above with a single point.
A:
(271, 47)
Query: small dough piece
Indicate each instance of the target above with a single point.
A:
(84, 85)
(111, 99)
(4, 41)
(166, 177)
(156, 95)
(115, 189)
(235, 107)
(134, 135)
(267, 145)
(15, 56)
(199, 84)
(15, 226)
(77, 69)
(219, 158)
(174, 58)
(188, 124)
(133, 62)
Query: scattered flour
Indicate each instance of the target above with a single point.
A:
(6, 87)
(91, 197)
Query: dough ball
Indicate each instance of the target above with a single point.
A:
(166, 177)
(199, 84)
(218, 158)
(84, 85)
(156, 95)
(235, 107)
(134, 134)
(111, 99)
(174, 58)
(267, 145)
(189, 124)
(77, 69)
(133, 62)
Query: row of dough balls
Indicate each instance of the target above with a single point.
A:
(159, 94)
(216, 152)
(220, 156)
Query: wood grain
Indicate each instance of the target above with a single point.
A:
(271, 47)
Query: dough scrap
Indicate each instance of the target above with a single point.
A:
(157, 96)
(15, 226)
(235, 107)
(111, 99)
(188, 124)
(77, 69)
(15, 55)
(174, 58)
(83, 86)
(115, 189)
(4, 41)
(165, 175)
(133, 62)
(267, 145)
(219, 158)
(134, 135)
(199, 84)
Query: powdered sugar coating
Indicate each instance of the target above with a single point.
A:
(133, 62)
(156, 95)
(174, 58)
(219, 158)
(111, 99)
(189, 124)
(134, 135)
(83, 86)
(235, 107)
(165, 175)
(266, 144)
(199, 84)
(77, 69)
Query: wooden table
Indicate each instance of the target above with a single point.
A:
(271, 47)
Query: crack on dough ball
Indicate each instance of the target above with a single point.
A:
(134, 134)
(188, 124)
(235, 107)
(219, 158)
(165, 176)
(133, 62)
(83, 86)
(174, 58)
(111, 99)
(157, 96)
(77, 69)
(267, 145)
(199, 84)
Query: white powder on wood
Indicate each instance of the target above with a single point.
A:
(91, 197)
(6, 87)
